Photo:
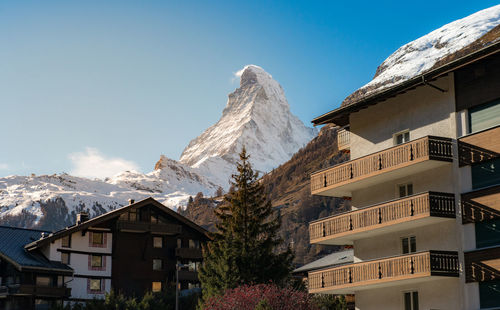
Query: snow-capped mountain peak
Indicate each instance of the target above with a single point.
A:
(256, 115)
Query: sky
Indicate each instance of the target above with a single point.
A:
(92, 88)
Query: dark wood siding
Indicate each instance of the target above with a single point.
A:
(478, 83)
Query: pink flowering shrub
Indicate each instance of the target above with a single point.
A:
(247, 297)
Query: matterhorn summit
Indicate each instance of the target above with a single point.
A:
(257, 116)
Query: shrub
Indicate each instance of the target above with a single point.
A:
(262, 297)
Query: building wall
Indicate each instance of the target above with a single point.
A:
(424, 111)
(80, 251)
(442, 294)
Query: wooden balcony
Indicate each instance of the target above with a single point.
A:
(39, 291)
(481, 205)
(479, 146)
(168, 229)
(187, 275)
(190, 253)
(343, 139)
(482, 265)
(393, 271)
(404, 213)
(393, 163)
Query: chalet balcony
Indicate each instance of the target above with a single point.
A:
(481, 205)
(482, 265)
(170, 229)
(386, 272)
(188, 275)
(393, 163)
(479, 146)
(190, 253)
(343, 139)
(38, 291)
(408, 212)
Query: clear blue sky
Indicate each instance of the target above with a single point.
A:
(136, 79)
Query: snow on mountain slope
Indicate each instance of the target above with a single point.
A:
(257, 115)
(423, 54)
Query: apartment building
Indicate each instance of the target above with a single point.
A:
(424, 183)
(132, 250)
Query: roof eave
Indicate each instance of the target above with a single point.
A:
(340, 115)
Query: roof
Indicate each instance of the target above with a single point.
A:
(112, 214)
(334, 259)
(432, 56)
(12, 241)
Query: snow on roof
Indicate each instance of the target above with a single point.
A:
(425, 53)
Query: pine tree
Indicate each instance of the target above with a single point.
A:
(244, 248)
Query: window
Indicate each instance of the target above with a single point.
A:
(156, 287)
(487, 233)
(97, 238)
(409, 245)
(405, 190)
(157, 264)
(179, 243)
(96, 261)
(401, 137)
(489, 294)
(124, 216)
(95, 284)
(154, 218)
(65, 258)
(158, 242)
(411, 300)
(132, 215)
(193, 266)
(66, 241)
(193, 285)
(43, 281)
(194, 244)
(486, 173)
(484, 116)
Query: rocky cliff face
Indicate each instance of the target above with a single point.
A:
(257, 116)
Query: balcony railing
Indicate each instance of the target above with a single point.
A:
(145, 226)
(423, 149)
(343, 139)
(481, 205)
(188, 275)
(192, 253)
(36, 290)
(342, 228)
(365, 275)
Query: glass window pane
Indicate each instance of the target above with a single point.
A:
(156, 286)
(65, 258)
(402, 191)
(96, 261)
(484, 117)
(399, 139)
(407, 301)
(157, 242)
(413, 244)
(65, 242)
(97, 238)
(487, 233)
(157, 264)
(132, 215)
(489, 294)
(406, 136)
(409, 189)
(486, 174)
(95, 284)
(43, 281)
(415, 301)
(405, 245)
(179, 243)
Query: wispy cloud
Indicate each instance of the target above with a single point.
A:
(4, 166)
(93, 164)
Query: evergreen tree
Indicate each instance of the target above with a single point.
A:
(244, 248)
